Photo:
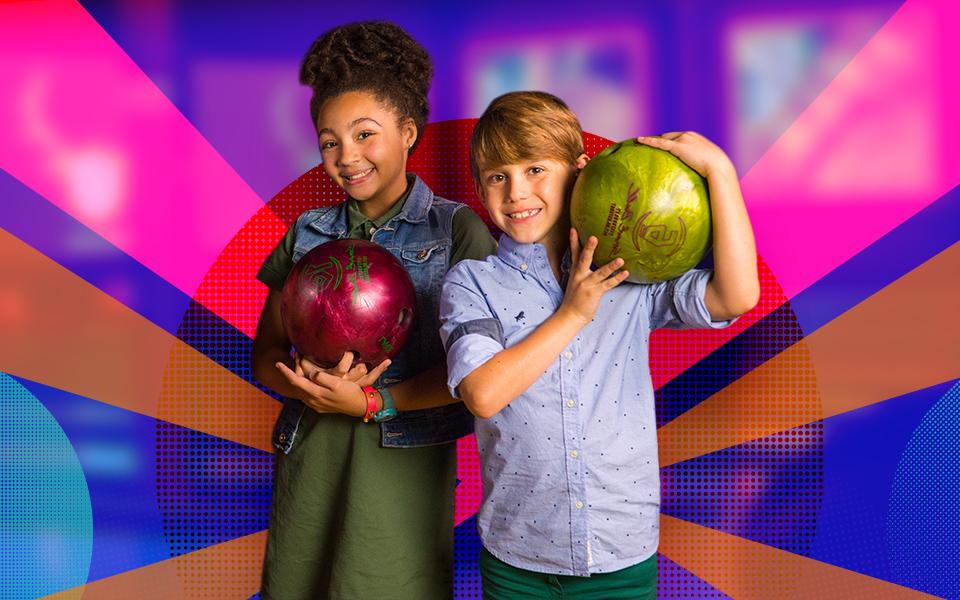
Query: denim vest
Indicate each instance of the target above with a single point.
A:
(420, 236)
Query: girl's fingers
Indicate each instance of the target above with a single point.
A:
(344, 365)
(375, 374)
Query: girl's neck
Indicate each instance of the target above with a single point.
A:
(375, 207)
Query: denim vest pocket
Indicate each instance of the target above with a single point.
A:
(285, 430)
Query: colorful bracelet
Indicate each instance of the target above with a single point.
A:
(371, 394)
(389, 409)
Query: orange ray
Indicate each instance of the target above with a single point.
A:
(901, 339)
(744, 569)
(228, 570)
(59, 330)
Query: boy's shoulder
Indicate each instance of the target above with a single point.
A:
(472, 270)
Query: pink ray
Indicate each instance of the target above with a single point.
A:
(878, 145)
(86, 128)
(469, 494)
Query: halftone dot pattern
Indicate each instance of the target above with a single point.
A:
(46, 536)
(673, 581)
(923, 524)
(212, 490)
(768, 490)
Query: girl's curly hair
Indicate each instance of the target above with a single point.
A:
(373, 56)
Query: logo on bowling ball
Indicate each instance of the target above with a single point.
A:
(659, 235)
(323, 275)
(330, 273)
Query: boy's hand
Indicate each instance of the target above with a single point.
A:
(339, 389)
(699, 153)
(586, 287)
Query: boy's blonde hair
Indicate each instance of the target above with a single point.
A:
(523, 126)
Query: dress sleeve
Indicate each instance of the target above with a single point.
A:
(471, 237)
(470, 332)
(678, 303)
(273, 272)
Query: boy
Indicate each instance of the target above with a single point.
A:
(552, 358)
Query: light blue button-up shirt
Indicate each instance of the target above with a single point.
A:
(571, 480)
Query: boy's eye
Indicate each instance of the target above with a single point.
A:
(536, 170)
(495, 178)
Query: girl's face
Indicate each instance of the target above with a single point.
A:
(365, 149)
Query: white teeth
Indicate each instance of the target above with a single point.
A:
(524, 214)
(357, 176)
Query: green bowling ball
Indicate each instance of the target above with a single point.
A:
(646, 206)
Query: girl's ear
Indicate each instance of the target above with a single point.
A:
(408, 133)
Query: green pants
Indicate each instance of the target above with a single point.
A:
(505, 582)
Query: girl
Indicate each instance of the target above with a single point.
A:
(365, 509)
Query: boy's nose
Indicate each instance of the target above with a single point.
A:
(518, 192)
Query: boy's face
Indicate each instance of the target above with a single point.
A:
(528, 201)
(364, 149)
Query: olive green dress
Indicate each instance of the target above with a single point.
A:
(351, 519)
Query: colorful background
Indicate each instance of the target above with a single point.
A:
(151, 154)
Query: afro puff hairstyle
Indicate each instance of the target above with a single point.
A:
(376, 57)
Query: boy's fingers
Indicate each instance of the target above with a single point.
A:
(574, 246)
(605, 271)
(586, 255)
(616, 280)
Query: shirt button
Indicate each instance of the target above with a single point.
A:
(579, 504)
(372, 229)
(574, 454)
(570, 403)
(523, 266)
(568, 355)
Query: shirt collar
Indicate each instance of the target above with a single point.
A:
(522, 256)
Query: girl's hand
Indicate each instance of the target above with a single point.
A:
(357, 374)
(699, 153)
(586, 287)
(332, 390)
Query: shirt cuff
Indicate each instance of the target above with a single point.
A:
(465, 355)
(688, 298)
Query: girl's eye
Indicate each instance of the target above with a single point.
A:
(364, 135)
(327, 145)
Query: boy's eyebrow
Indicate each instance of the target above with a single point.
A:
(351, 125)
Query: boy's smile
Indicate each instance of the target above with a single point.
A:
(528, 201)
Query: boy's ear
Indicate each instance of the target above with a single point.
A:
(479, 189)
(582, 161)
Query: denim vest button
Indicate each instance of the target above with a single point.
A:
(421, 255)
(523, 267)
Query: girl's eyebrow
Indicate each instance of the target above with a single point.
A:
(351, 125)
